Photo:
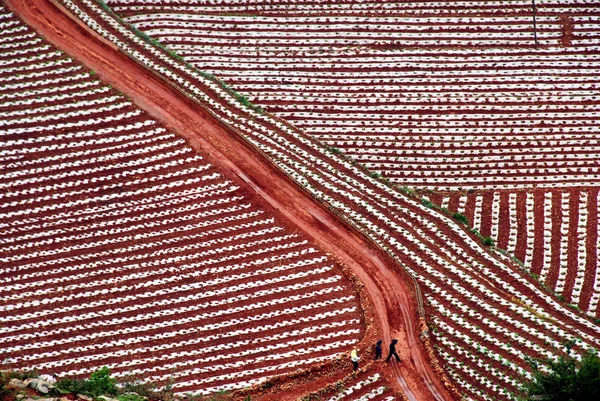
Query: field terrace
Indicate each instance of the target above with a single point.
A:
(122, 247)
(439, 95)
(487, 315)
(434, 94)
(554, 233)
(365, 386)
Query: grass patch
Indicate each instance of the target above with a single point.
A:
(461, 218)
(427, 203)
(488, 241)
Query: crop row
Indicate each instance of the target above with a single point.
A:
(492, 8)
(553, 232)
(364, 387)
(122, 247)
(485, 297)
(402, 92)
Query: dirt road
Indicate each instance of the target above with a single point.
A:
(394, 307)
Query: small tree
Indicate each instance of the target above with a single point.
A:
(567, 378)
(100, 383)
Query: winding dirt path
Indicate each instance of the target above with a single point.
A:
(394, 306)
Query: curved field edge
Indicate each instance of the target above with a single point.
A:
(50, 185)
(218, 86)
(424, 94)
(384, 208)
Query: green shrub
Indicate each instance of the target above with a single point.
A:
(22, 374)
(71, 386)
(488, 241)
(460, 218)
(408, 191)
(7, 376)
(99, 383)
(130, 397)
(427, 203)
(565, 379)
(135, 385)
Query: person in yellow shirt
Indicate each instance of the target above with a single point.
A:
(354, 358)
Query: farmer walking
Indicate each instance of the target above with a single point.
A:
(378, 350)
(354, 358)
(393, 351)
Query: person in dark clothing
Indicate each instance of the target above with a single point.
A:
(378, 350)
(393, 351)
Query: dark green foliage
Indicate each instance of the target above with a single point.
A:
(240, 98)
(21, 374)
(408, 191)
(566, 380)
(427, 203)
(375, 175)
(99, 383)
(71, 386)
(133, 385)
(488, 241)
(4, 392)
(460, 218)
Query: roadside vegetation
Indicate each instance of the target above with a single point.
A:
(564, 379)
(29, 385)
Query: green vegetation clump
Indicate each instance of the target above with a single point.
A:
(427, 203)
(6, 376)
(460, 218)
(99, 383)
(565, 379)
(488, 241)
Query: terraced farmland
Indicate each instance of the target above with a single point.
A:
(431, 95)
(366, 386)
(486, 314)
(477, 302)
(554, 232)
(121, 246)
(437, 95)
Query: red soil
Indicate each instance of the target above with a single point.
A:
(394, 306)
(592, 240)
